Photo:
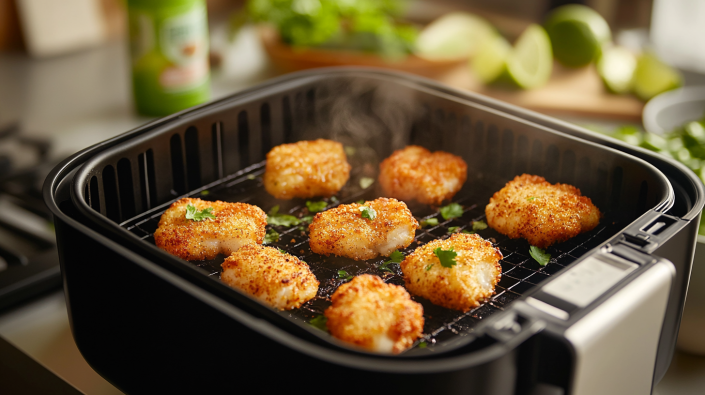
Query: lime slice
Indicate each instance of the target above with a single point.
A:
(577, 34)
(456, 35)
(652, 77)
(616, 68)
(490, 62)
(530, 62)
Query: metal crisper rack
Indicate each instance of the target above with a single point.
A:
(520, 272)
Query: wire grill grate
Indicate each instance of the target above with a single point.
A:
(520, 272)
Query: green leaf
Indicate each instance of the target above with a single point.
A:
(471, 232)
(532, 198)
(368, 212)
(447, 257)
(360, 201)
(307, 219)
(205, 192)
(429, 267)
(423, 345)
(539, 255)
(349, 151)
(193, 214)
(271, 236)
(319, 322)
(453, 210)
(479, 225)
(251, 177)
(429, 222)
(342, 274)
(315, 207)
(394, 257)
(276, 219)
(365, 182)
(282, 251)
(453, 229)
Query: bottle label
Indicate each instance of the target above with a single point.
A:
(184, 42)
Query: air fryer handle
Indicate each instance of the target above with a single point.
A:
(651, 231)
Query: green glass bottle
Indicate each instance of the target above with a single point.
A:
(169, 51)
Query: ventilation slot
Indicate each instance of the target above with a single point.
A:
(193, 158)
(536, 158)
(584, 169)
(643, 194)
(95, 194)
(507, 153)
(616, 187)
(492, 150)
(177, 166)
(568, 168)
(523, 155)
(287, 119)
(265, 122)
(147, 181)
(217, 138)
(243, 139)
(87, 195)
(310, 107)
(127, 193)
(552, 163)
(110, 194)
(477, 149)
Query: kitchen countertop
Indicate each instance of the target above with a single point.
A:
(80, 99)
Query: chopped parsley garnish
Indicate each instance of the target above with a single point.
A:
(453, 210)
(349, 151)
(368, 212)
(472, 232)
(394, 257)
(251, 177)
(365, 182)
(429, 267)
(342, 274)
(319, 322)
(205, 192)
(271, 236)
(315, 207)
(422, 345)
(453, 229)
(539, 255)
(277, 219)
(193, 214)
(531, 198)
(282, 251)
(447, 257)
(479, 225)
(429, 222)
(360, 201)
(307, 219)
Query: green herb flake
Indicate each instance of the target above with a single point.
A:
(453, 229)
(394, 257)
(274, 218)
(429, 222)
(349, 151)
(368, 212)
(251, 177)
(423, 345)
(343, 275)
(447, 257)
(453, 210)
(532, 198)
(280, 250)
(193, 214)
(365, 182)
(429, 267)
(479, 225)
(471, 232)
(539, 255)
(307, 219)
(315, 207)
(205, 192)
(319, 322)
(360, 201)
(271, 236)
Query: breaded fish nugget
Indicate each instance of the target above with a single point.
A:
(234, 224)
(462, 286)
(377, 316)
(306, 169)
(542, 213)
(277, 278)
(416, 173)
(343, 231)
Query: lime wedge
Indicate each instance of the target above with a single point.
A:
(652, 77)
(456, 35)
(490, 61)
(530, 62)
(616, 68)
(577, 34)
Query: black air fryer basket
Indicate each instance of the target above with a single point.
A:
(149, 322)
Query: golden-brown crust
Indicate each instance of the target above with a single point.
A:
(277, 278)
(342, 230)
(542, 213)
(366, 309)
(306, 169)
(416, 173)
(461, 287)
(205, 239)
